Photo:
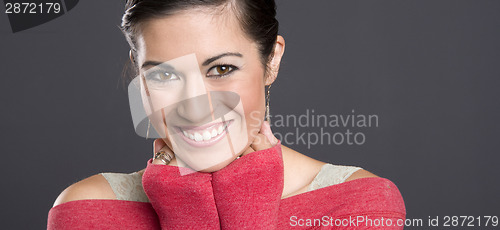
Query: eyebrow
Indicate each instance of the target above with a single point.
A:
(151, 63)
(212, 59)
(205, 63)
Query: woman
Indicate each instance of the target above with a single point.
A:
(203, 67)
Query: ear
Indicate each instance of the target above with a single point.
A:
(274, 64)
(131, 56)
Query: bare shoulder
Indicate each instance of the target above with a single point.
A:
(361, 173)
(94, 187)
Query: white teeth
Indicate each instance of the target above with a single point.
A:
(207, 136)
(198, 137)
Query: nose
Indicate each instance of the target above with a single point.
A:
(195, 107)
(196, 110)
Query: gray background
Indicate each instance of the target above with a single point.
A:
(429, 69)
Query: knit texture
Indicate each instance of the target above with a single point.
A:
(103, 214)
(372, 198)
(245, 194)
(248, 191)
(181, 201)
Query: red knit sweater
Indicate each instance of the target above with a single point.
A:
(244, 195)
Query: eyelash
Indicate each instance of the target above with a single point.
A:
(232, 67)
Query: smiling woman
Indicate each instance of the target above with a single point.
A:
(202, 71)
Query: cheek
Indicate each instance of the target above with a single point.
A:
(253, 100)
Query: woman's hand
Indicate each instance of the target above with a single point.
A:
(160, 145)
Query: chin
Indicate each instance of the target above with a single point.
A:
(211, 162)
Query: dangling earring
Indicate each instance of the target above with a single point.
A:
(268, 94)
(147, 132)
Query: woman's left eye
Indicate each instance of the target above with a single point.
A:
(220, 71)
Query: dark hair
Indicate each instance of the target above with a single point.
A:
(257, 19)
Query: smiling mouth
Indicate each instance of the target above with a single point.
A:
(206, 135)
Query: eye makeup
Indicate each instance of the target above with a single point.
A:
(221, 70)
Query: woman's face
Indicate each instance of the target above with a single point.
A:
(202, 86)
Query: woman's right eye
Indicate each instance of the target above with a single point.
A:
(161, 76)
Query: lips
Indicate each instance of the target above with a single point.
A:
(206, 135)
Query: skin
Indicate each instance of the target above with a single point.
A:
(197, 31)
(172, 37)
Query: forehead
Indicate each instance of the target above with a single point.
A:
(201, 32)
